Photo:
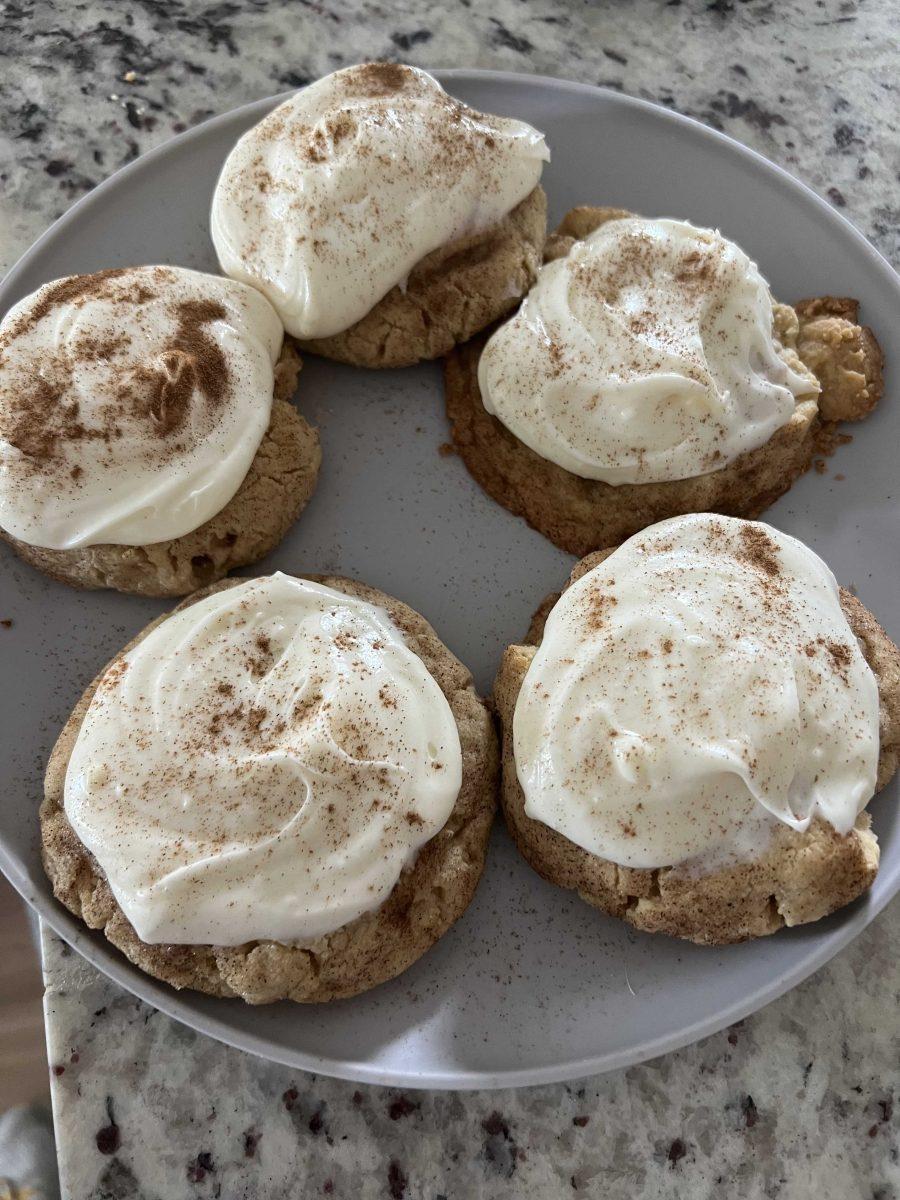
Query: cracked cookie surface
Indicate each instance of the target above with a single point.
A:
(278, 486)
(427, 899)
(819, 337)
(799, 877)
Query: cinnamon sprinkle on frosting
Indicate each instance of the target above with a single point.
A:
(334, 197)
(131, 404)
(241, 777)
(721, 694)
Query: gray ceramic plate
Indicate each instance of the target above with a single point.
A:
(531, 985)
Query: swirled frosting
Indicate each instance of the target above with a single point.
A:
(646, 354)
(132, 403)
(334, 197)
(698, 685)
(263, 764)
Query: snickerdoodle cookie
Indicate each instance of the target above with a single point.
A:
(649, 373)
(385, 220)
(146, 442)
(693, 729)
(313, 817)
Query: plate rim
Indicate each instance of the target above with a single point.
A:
(115, 966)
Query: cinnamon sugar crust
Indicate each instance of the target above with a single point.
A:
(427, 899)
(797, 877)
(277, 487)
(819, 338)
(452, 294)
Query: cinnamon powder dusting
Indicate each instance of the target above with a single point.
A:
(758, 549)
(66, 291)
(382, 78)
(43, 419)
(599, 604)
(43, 415)
(365, 120)
(193, 362)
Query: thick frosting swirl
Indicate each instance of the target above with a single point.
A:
(264, 764)
(132, 403)
(334, 197)
(646, 354)
(700, 684)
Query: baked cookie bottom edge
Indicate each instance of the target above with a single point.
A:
(452, 294)
(578, 515)
(277, 487)
(820, 337)
(427, 899)
(799, 878)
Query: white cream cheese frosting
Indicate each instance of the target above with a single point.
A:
(132, 403)
(700, 684)
(645, 354)
(333, 198)
(263, 765)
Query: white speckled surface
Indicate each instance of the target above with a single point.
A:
(795, 1102)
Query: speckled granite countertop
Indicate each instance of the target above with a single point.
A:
(795, 1102)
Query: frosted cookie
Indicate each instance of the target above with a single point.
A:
(309, 807)
(146, 442)
(649, 373)
(385, 220)
(694, 728)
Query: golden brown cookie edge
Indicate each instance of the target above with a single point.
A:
(277, 487)
(800, 878)
(426, 901)
(578, 515)
(452, 294)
